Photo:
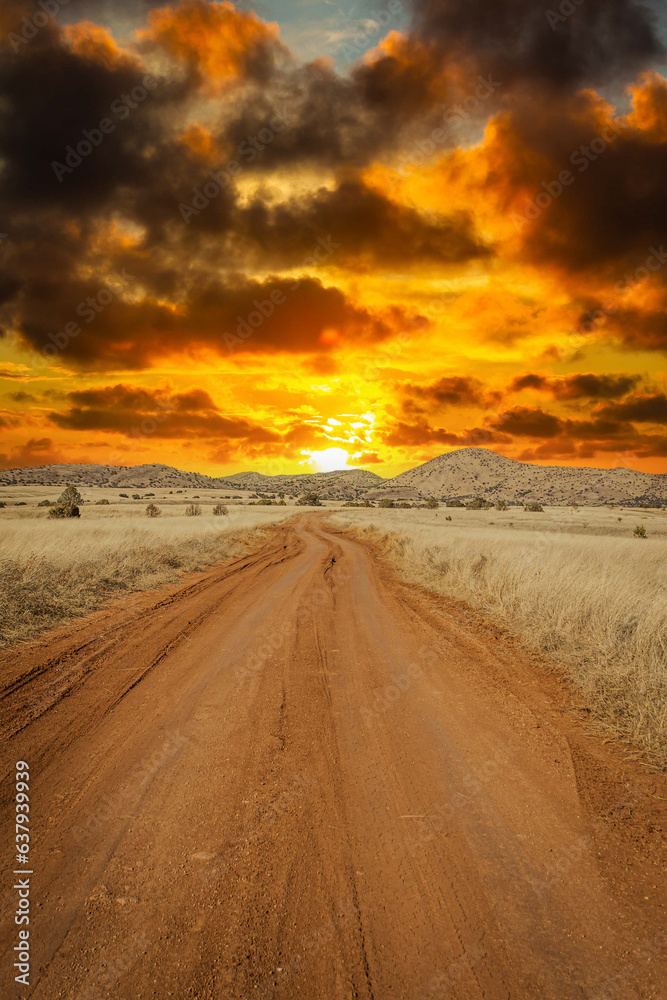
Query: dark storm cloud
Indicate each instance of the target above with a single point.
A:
(245, 316)
(366, 227)
(521, 43)
(131, 411)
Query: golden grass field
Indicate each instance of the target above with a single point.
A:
(51, 571)
(576, 586)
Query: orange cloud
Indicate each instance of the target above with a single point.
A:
(214, 39)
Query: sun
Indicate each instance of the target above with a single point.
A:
(329, 460)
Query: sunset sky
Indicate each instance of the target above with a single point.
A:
(238, 237)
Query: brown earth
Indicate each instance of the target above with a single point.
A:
(295, 776)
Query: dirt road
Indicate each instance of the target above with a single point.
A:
(296, 777)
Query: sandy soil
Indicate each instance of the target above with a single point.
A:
(295, 776)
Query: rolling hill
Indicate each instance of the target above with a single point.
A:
(473, 472)
(347, 484)
(459, 474)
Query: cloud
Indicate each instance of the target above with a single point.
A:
(644, 409)
(144, 413)
(36, 451)
(366, 227)
(522, 421)
(600, 40)
(237, 317)
(577, 386)
(450, 390)
(215, 42)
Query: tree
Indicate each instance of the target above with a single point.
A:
(193, 510)
(432, 504)
(220, 510)
(70, 495)
(152, 510)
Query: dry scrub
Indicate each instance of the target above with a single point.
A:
(51, 572)
(597, 605)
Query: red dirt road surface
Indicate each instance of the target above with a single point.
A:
(295, 776)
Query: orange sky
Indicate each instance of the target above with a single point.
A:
(220, 255)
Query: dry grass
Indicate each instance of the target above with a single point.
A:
(53, 571)
(579, 588)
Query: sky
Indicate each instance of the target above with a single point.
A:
(303, 236)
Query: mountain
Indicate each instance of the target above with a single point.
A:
(473, 472)
(347, 484)
(459, 475)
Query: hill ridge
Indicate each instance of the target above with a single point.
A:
(459, 474)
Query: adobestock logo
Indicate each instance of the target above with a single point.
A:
(30, 26)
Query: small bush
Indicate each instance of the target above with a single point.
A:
(124, 496)
(479, 503)
(220, 510)
(454, 503)
(64, 510)
(502, 505)
(534, 508)
(193, 510)
(102, 503)
(448, 518)
(153, 511)
(44, 503)
(640, 531)
(386, 503)
(2, 503)
(309, 500)
(432, 504)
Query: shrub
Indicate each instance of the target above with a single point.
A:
(152, 510)
(640, 531)
(124, 496)
(386, 503)
(193, 510)
(502, 505)
(309, 500)
(2, 503)
(534, 508)
(102, 503)
(44, 503)
(448, 518)
(454, 503)
(220, 510)
(64, 510)
(70, 495)
(479, 503)
(432, 504)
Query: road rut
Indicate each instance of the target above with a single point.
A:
(296, 776)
